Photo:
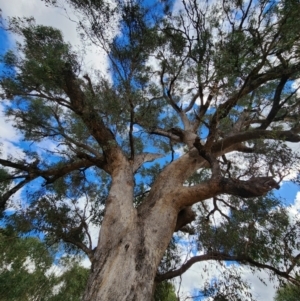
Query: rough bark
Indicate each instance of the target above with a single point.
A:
(124, 268)
(130, 246)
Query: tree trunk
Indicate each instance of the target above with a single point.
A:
(131, 244)
(121, 273)
(125, 268)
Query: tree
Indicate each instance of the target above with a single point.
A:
(214, 81)
(25, 272)
(165, 291)
(288, 292)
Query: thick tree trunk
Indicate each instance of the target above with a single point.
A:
(125, 268)
(123, 272)
(131, 244)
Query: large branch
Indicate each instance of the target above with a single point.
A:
(53, 174)
(50, 175)
(31, 172)
(179, 170)
(173, 176)
(170, 180)
(140, 159)
(254, 187)
(218, 256)
(289, 136)
(166, 133)
(102, 134)
(185, 216)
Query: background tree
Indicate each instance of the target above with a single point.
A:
(30, 271)
(288, 292)
(26, 274)
(215, 82)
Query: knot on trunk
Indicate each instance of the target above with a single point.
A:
(185, 216)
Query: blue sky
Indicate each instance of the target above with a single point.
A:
(4, 42)
(288, 192)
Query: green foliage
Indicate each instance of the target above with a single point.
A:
(288, 292)
(72, 284)
(25, 273)
(257, 222)
(47, 56)
(229, 287)
(165, 291)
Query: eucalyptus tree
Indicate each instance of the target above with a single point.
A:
(27, 271)
(287, 292)
(207, 89)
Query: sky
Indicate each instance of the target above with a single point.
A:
(9, 138)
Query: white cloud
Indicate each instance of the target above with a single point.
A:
(15, 202)
(9, 149)
(8, 132)
(294, 210)
(8, 137)
(55, 270)
(296, 85)
(261, 291)
(56, 289)
(86, 263)
(297, 202)
(58, 18)
(29, 265)
(203, 272)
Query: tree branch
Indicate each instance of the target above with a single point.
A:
(218, 256)
(290, 136)
(4, 197)
(164, 133)
(102, 134)
(140, 159)
(253, 81)
(276, 103)
(32, 172)
(254, 187)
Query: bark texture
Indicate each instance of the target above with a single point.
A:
(130, 245)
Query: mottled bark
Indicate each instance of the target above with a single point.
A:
(126, 260)
(130, 245)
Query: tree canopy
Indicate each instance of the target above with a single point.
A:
(26, 273)
(207, 91)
